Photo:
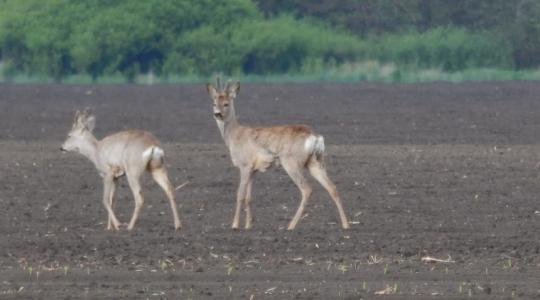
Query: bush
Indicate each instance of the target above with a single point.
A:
(448, 48)
(58, 38)
(284, 45)
(61, 37)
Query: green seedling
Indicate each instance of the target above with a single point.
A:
(165, 264)
(507, 264)
(230, 268)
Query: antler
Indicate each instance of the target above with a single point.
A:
(220, 86)
(218, 83)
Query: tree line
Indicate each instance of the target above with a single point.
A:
(515, 21)
(58, 38)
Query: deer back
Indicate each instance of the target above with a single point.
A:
(130, 149)
(260, 146)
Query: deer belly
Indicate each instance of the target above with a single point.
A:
(262, 162)
(116, 171)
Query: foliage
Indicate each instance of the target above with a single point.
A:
(451, 49)
(100, 37)
(192, 38)
(279, 45)
(517, 22)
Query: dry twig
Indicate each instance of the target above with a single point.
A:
(431, 259)
(181, 186)
(386, 291)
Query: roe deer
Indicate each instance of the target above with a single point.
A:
(130, 153)
(254, 149)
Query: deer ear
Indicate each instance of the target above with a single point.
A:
(78, 121)
(211, 90)
(90, 123)
(233, 89)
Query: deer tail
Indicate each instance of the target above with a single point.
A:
(153, 157)
(315, 145)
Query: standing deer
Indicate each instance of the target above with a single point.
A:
(254, 149)
(129, 153)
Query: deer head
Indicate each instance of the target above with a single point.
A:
(223, 99)
(81, 132)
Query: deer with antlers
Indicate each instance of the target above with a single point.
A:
(129, 153)
(254, 149)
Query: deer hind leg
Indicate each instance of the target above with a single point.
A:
(135, 186)
(296, 172)
(318, 171)
(108, 191)
(247, 200)
(245, 175)
(160, 176)
(111, 196)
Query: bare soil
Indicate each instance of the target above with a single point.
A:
(450, 171)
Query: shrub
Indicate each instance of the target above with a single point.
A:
(449, 48)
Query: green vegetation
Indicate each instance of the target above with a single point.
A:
(79, 41)
(517, 22)
(451, 49)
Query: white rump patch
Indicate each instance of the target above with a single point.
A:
(153, 152)
(314, 144)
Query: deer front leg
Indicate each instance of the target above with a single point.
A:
(249, 217)
(108, 189)
(240, 195)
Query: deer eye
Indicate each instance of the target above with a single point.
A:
(226, 104)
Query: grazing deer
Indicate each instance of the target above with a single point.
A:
(129, 153)
(254, 149)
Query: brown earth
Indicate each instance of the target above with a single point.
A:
(443, 170)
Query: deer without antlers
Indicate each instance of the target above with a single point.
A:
(130, 153)
(254, 149)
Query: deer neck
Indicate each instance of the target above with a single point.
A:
(90, 149)
(228, 126)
